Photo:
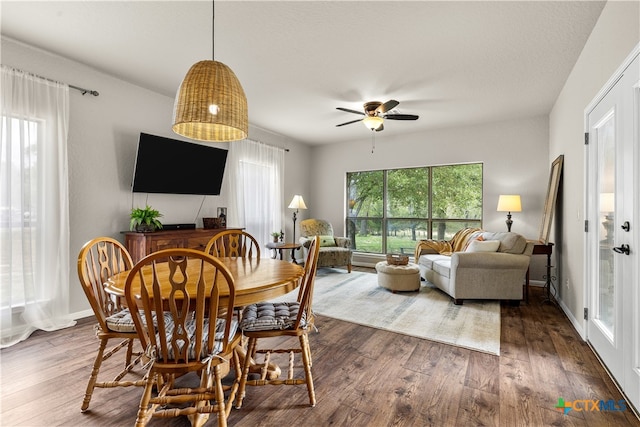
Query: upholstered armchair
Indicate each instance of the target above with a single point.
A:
(334, 251)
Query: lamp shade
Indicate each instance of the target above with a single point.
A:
(297, 203)
(509, 203)
(372, 122)
(607, 202)
(210, 104)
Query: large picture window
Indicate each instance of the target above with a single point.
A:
(389, 210)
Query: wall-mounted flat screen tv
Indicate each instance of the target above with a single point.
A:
(165, 165)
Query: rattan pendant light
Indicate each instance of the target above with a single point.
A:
(210, 104)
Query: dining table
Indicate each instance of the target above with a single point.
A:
(256, 280)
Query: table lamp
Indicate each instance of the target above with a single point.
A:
(296, 203)
(509, 203)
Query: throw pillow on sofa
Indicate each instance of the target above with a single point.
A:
(483, 246)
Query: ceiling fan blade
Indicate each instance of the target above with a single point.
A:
(348, 123)
(389, 105)
(380, 128)
(350, 111)
(401, 117)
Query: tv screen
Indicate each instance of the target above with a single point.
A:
(165, 165)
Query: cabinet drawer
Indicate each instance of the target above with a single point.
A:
(160, 244)
(199, 243)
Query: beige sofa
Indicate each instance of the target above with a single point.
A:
(476, 264)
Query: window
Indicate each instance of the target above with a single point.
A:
(18, 166)
(260, 167)
(389, 210)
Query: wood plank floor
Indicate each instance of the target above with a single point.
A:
(363, 377)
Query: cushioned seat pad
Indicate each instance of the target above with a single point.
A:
(266, 316)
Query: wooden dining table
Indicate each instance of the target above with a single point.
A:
(256, 280)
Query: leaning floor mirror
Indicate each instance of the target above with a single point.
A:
(550, 202)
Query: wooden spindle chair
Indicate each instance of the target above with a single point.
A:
(276, 319)
(189, 335)
(99, 259)
(233, 244)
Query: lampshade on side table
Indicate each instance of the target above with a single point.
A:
(509, 203)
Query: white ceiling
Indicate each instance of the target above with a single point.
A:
(453, 63)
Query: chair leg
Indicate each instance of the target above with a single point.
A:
(144, 411)
(306, 361)
(349, 268)
(94, 374)
(222, 410)
(129, 353)
(237, 368)
(251, 349)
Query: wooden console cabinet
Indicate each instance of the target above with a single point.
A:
(140, 245)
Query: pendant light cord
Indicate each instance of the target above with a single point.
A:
(213, 30)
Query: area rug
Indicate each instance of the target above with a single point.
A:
(428, 313)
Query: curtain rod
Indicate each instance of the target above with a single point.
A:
(85, 91)
(81, 89)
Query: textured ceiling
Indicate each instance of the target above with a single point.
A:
(453, 63)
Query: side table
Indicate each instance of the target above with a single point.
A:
(540, 248)
(279, 247)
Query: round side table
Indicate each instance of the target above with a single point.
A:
(279, 247)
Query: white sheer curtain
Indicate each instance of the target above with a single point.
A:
(34, 212)
(256, 188)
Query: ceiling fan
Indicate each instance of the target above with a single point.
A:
(374, 114)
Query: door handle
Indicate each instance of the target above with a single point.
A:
(622, 249)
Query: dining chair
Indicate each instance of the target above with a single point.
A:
(99, 259)
(233, 244)
(194, 332)
(277, 319)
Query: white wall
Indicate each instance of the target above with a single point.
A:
(612, 39)
(103, 137)
(514, 153)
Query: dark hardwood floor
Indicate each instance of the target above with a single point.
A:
(363, 377)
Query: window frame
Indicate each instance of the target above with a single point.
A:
(386, 219)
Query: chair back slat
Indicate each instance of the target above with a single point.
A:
(233, 244)
(305, 293)
(180, 302)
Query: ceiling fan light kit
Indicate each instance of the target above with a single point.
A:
(373, 122)
(210, 104)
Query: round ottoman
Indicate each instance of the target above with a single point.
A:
(398, 277)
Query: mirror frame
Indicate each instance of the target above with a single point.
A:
(550, 202)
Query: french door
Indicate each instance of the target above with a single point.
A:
(612, 249)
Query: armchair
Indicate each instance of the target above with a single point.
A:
(334, 251)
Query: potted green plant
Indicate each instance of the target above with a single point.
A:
(145, 220)
(276, 236)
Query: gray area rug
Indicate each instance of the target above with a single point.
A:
(428, 313)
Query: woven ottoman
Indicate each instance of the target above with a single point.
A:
(398, 277)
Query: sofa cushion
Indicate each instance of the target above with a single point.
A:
(483, 246)
(510, 243)
(442, 266)
(428, 260)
